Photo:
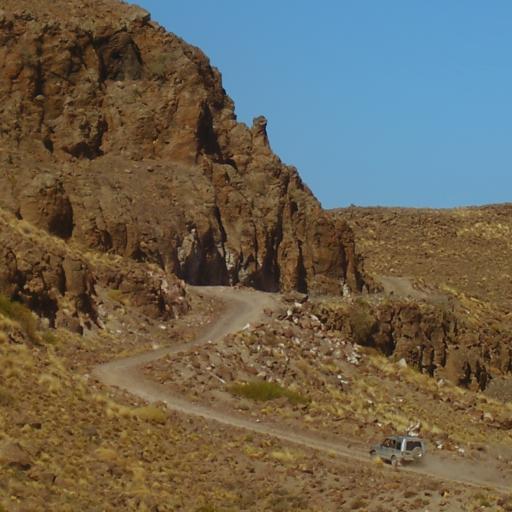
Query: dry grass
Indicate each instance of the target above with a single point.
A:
(285, 456)
(118, 296)
(20, 314)
(361, 321)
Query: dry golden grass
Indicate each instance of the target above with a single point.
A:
(466, 249)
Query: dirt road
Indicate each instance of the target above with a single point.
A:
(243, 307)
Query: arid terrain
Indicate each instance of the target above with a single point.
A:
(184, 328)
(466, 249)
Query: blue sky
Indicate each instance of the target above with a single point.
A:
(396, 102)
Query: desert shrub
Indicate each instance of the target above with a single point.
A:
(358, 503)
(361, 322)
(263, 391)
(20, 314)
(151, 413)
(48, 338)
(287, 503)
(483, 500)
(117, 296)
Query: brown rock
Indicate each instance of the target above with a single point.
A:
(45, 204)
(220, 206)
(12, 454)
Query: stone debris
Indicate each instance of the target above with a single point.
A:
(295, 346)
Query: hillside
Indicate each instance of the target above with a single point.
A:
(184, 328)
(467, 249)
(461, 254)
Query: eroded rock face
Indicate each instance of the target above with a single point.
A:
(44, 203)
(119, 136)
(59, 283)
(47, 278)
(433, 339)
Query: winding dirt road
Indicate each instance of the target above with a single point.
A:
(246, 306)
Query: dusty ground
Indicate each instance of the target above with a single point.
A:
(85, 447)
(348, 395)
(122, 168)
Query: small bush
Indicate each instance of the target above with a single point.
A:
(151, 413)
(21, 314)
(361, 322)
(263, 391)
(158, 65)
(49, 338)
(283, 456)
(358, 503)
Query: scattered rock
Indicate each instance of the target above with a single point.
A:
(12, 454)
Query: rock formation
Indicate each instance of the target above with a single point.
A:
(435, 339)
(59, 282)
(118, 136)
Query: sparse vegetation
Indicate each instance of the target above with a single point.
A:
(263, 391)
(93, 446)
(20, 314)
(117, 296)
(151, 413)
(48, 337)
(361, 321)
(358, 504)
(284, 456)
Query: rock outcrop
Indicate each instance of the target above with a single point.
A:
(117, 135)
(432, 338)
(59, 282)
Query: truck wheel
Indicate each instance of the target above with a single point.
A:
(394, 462)
(374, 456)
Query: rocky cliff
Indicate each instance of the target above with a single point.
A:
(119, 137)
(439, 340)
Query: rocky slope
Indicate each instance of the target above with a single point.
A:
(61, 282)
(118, 136)
(439, 340)
(454, 314)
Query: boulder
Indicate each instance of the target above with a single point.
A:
(14, 455)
